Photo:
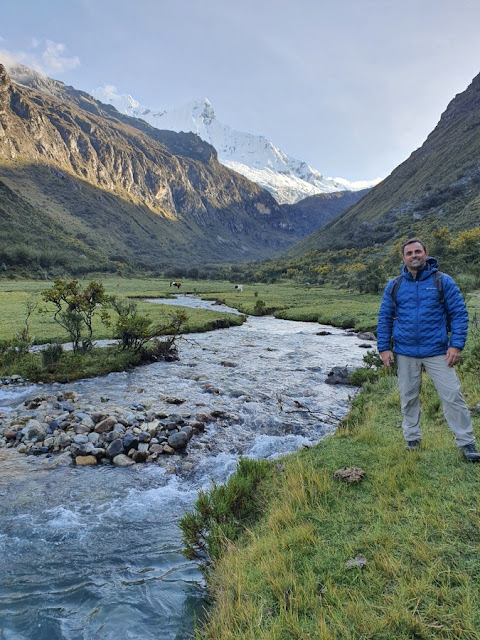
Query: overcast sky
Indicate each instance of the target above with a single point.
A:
(350, 86)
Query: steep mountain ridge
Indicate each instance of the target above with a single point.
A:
(438, 185)
(85, 166)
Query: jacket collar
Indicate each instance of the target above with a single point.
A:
(431, 266)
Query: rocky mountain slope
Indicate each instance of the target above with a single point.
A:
(289, 180)
(438, 185)
(102, 187)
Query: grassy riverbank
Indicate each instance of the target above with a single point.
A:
(415, 520)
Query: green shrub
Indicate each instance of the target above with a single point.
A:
(260, 308)
(362, 375)
(51, 354)
(223, 512)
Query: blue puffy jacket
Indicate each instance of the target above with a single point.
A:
(418, 322)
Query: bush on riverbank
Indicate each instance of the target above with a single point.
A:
(69, 366)
(412, 525)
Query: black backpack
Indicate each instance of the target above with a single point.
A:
(437, 281)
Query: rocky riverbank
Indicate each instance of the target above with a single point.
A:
(65, 423)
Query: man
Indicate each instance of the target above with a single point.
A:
(415, 312)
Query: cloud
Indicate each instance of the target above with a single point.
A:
(49, 61)
(106, 93)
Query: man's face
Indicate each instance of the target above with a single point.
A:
(414, 256)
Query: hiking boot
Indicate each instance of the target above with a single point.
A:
(413, 445)
(470, 453)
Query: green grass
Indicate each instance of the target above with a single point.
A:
(325, 305)
(415, 518)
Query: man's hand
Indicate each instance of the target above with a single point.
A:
(452, 356)
(387, 358)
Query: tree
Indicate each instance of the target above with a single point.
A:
(75, 309)
(134, 330)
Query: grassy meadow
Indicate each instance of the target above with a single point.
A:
(284, 300)
(15, 295)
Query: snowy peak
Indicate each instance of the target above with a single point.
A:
(288, 179)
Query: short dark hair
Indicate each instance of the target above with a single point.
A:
(411, 241)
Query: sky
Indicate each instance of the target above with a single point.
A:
(352, 87)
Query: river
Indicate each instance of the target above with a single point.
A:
(94, 552)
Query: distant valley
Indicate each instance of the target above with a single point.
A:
(83, 187)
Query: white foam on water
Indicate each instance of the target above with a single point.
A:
(272, 447)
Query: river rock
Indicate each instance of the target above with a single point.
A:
(140, 456)
(366, 335)
(84, 461)
(178, 440)
(219, 415)
(84, 449)
(115, 448)
(110, 436)
(122, 460)
(152, 426)
(130, 441)
(156, 448)
(168, 449)
(105, 425)
(81, 429)
(62, 440)
(80, 439)
(34, 431)
(97, 416)
(338, 375)
(93, 437)
(188, 430)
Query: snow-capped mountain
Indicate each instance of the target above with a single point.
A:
(289, 180)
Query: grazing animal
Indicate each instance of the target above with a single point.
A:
(239, 287)
(175, 284)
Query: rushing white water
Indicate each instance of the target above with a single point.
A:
(95, 552)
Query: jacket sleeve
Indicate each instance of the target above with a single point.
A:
(386, 316)
(457, 312)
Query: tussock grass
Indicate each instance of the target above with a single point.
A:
(415, 518)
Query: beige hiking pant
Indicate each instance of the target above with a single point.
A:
(447, 385)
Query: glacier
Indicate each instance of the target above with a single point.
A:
(255, 157)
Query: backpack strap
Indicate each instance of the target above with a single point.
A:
(393, 292)
(438, 281)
